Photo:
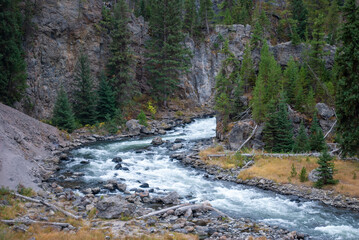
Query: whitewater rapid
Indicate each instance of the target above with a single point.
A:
(153, 165)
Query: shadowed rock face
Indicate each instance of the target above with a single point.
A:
(64, 28)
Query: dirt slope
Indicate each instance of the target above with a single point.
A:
(22, 140)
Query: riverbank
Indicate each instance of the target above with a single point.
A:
(239, 175)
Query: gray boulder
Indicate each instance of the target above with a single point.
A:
(176, 146)
(324, 111)
(157, 141)
(115, 207)
(240, 132)
(133, 127)
(171, 198)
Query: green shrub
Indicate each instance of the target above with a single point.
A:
(293, 173)
(303, 177)
(142, 118)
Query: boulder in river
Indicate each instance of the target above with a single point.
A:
(144, 185)
(114, 207)
(157, 141)
(118, 166)
(117, 160)
(176, 146)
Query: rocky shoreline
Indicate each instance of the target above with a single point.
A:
(128, 206)
(327, 197)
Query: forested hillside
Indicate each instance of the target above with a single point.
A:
(113, 59)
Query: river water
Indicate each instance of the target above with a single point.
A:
(152, 165)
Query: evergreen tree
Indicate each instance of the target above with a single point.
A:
(106, 103)
(119, 66)
(267, 82)
(62, 116)
(347, 98)
(291, 80)
(300, 15)
(228, 86)
(316, 140)
(270, 128)
(243, 11)
(12, 63)
(333, 22)
(326, 170)
(301, 143)
(84, 95)
(168, 57)
(257, 36)
(191, 17)
(247, 72)
(316, 54)
(284, 132)
(206, 13)
(309, 106)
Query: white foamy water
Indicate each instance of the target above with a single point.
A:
(152, 165)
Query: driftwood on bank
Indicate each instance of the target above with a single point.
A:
(314, 154)
(29, 221)
(244, 143)
(185, 207)
(52, 206)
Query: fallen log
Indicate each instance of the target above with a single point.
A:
(52, 206)
(254, 130)
(279, 155)
(163, 211)
(29, 221)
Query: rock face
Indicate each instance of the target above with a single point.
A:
(115, 207)
(240, 132)
(64, 28)
(24, 140)
(133, 127)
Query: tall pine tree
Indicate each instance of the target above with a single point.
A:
(168, 58)
(106, 102)
(300, 14)
(12, 63)
(301, 144)
(247, 72)
(316, 141)
(120, 62)
(206, 14)
(84, 96)
(62, 117)
(347, 98)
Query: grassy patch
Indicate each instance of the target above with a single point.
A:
(280, 169)
(231, 160)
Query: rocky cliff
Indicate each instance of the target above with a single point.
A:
(64, 28)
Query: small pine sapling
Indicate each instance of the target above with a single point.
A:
(303, 176)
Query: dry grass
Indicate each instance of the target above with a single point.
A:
(226, 162)
(279, 170)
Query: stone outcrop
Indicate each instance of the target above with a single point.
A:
(114, 208)
(65, 28)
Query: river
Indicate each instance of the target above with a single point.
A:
(152, 165)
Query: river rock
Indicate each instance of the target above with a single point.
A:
(171, 198)
(85, 162)
(324, 111)
(161, 132)
(109, 186)
(144, 185)
(121, 187)
(133, 127)
(114, 207)
(176, 146)
(117, 160)
(157, 141)
(64, 157)
(179, 140)
(118, 166)
(95, 190)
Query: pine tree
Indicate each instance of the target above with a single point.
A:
(291, 80)
(270, 128)
(326, 170)
(284, 132)
(247, 73)
(12, 63)
(301, 144)
(62, 116)
(206, 14)
(303, 176)
(316, 140)
(119, 66)
(168, 57)
(267, 82)
(347, 98)
(84, 95)
(257, 36)
(300, 15)
(333, 22)
(309, 107)
(106, 103)
(191, 17)
(228, 86)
